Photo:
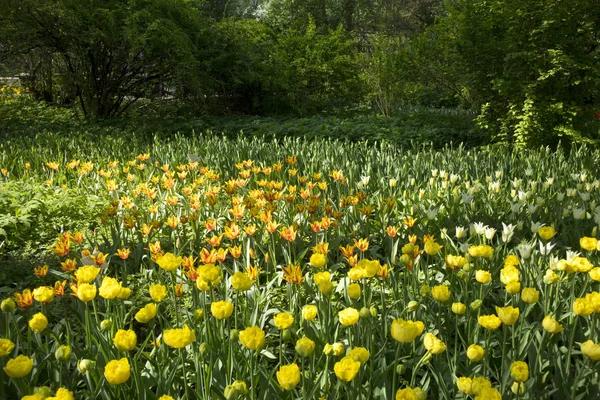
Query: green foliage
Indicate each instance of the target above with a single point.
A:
(24, 112)
(528, 70)
(237, 66)
(532, 67)
(32, 214)
(209, 57)
(408, 124)
(104, 55)
(400, 72)
(381, 72)
(408, 17)
(314, 71)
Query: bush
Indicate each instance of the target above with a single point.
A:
(314, 71)
(533, 67)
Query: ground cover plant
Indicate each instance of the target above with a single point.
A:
(214, 267)
(21, 115)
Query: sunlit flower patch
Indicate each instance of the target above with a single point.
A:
(280, 275)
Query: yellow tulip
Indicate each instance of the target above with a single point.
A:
(253, 338)
(158, 292)
(146, 314)
(530, 295)
(346, 369)
(591, 350)
(475, 353)
(433, 344)
(354, 291)
(582, 307)
(43, 294)
(551, 325)
(406, 331)
(432, 248)
(86, 292)
(6, 347)
(125, 340)
(305, 347)
(38, 322)
(348, 316)
(318, 260)
(465, 385)
(283, 320)
(309, 312)
(519, 371)
(221, 309)
(179, 338)
(490, 322)
(241, 281)
(288, 376)
(359, 354)
(588, 243)
(19, 367)
(169, 262)
(482, 276)
(86, 274)
(117, 371)
(110, 288)
(459, 308)
(546, 232)
(440, 293)
(508, 315)
(321, 277)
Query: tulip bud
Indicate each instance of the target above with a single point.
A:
(286, 335)
(231, 393)
(198, 314)
(8, 305)
(412, 305)
(408, 248)
(45, 391)
(203, 347)
(475, 305)
(400, 369)
(513, 288)
(373, 311)
(106, 325)
(365, 313)
(236, 390)
(458, 308)
(518, 388)
(405, 259)
(240, 386)
(234, 335)
(85, 365)
(427, 357)
(62, 353)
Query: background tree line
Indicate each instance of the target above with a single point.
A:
(529, 71)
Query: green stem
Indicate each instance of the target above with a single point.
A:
(570, 348)
(185, 382)
(395, 368)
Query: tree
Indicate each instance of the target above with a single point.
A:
(105, 54)
(237, 65)
(533, 66)
(314, 71)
